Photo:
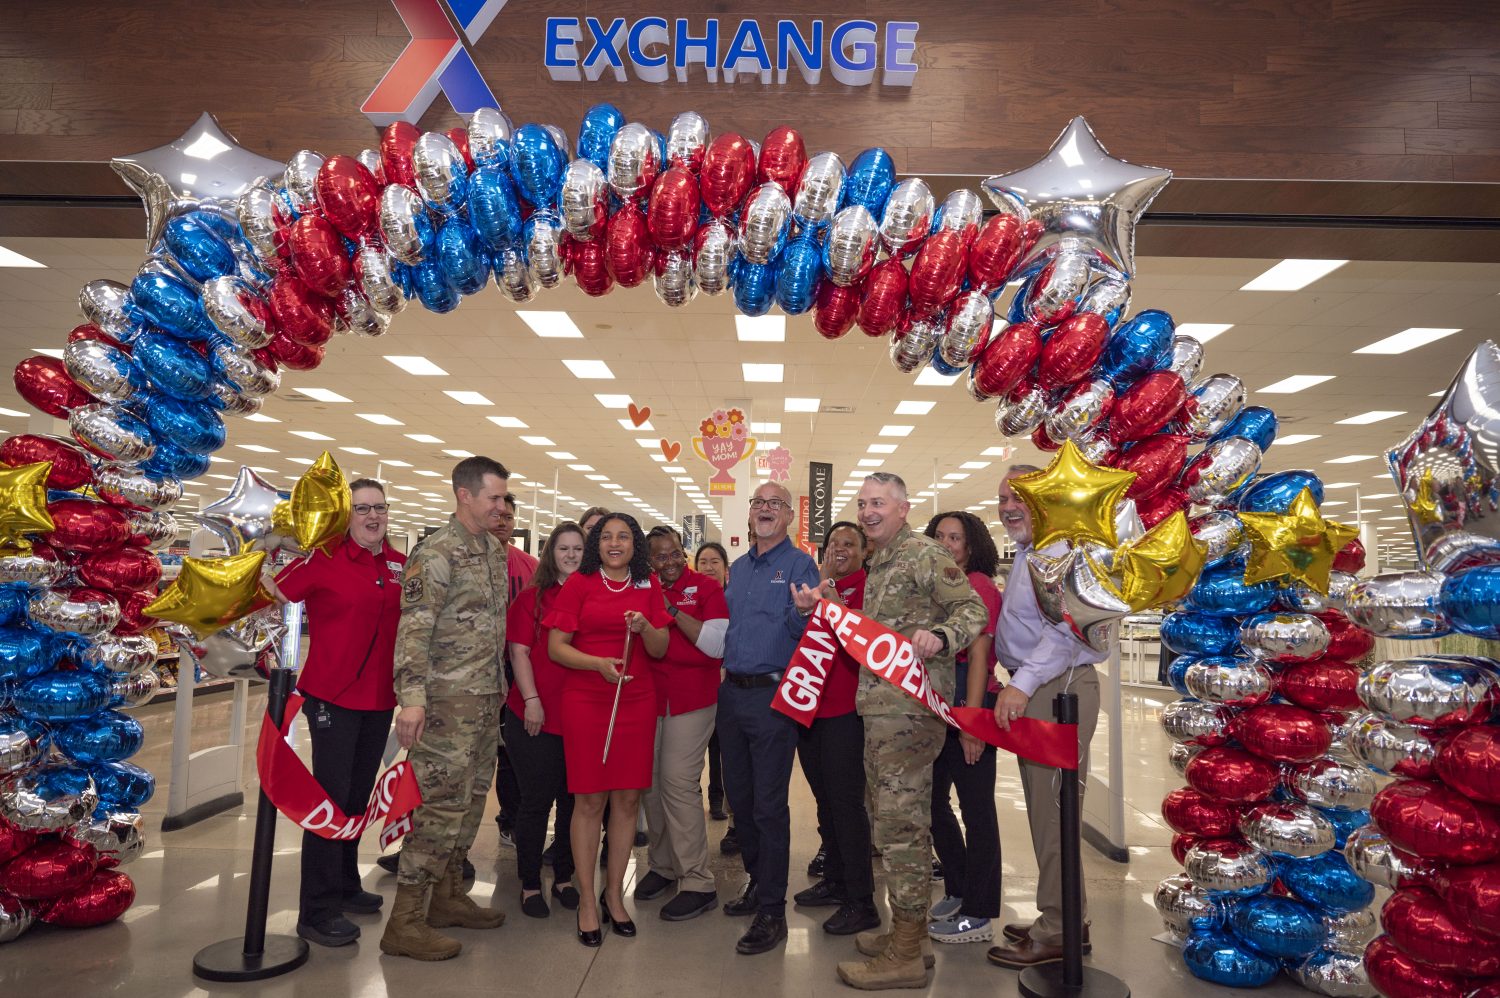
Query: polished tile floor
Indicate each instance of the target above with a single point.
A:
(192, 888)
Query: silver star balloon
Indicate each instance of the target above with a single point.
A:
(244, 515)
(1081, 197)
(1076, 590)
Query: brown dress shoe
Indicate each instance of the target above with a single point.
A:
(1016, 931)
(1023, 953)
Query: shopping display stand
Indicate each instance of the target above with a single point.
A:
(1104, 824)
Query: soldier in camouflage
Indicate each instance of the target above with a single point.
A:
(913, 587)
(449, 685)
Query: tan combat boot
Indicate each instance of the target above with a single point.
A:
(451, 904)
(899, 965)
(407, 932)
(874, 944)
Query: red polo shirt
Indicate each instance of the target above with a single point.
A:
(519, 568)
(843, 671)
(686, 679)
(353, 606)
(523, 627)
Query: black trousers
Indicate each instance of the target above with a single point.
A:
(507, 789)
(832, 754)
(715, 771)
(758, 745)
(971, 865)
(542, 776)
(345, 761)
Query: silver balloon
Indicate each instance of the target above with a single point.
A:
(102, 370)
(1399, 605)
(22, 745)
(1236, 682)
(1223, 466)
(1019, 417)
(850, 246)
(16, 916)
(1327, 782)
(966, 327)
(372, 266)
(559, 138)
(1458, 550)
(225, 301)
(1109, 298)
(584, 201)
(224, 173)
(358, 316)
(632, 161)
(819, 190)
(1187, 357)
(235, 651)
(132, 487)
(1351, 931)
(1180, 754)
(1371, 855)
(232, 403)
(300, 179)
(53, 608)
(123, 653)
(490, 130)
(962, 212)
(1343, 726)
(1057, 288)
(1128, 524)
(102, 302)
(763, 222)
(1435, 690)
(256, 211)
(1074, 590)
(1294, 830)
(1193, 721)
(119, 837)
(544, 249)
(370, 160)
(400, 230)
(1184, 906)
(907, 219)
(31, 569)
(1224, 865)
(1312, 601)
(1096, 447)
(1284, 637)
(1212, 404)
(244, 371)
(1392, 748)
(1082, 409)
(440, 173)
(27, 807)
(914, 346)
(134, 690)
(673, 278)
(713, 252)
(512, 276)
(687, 141)
(244, 514)
(1221, 531)
(1334, 973)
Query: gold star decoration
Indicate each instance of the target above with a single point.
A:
(1425, 504)
(212, 593)
(1162, 565)
(1073, 499)
(320, 506)
(23, 504)
(1298, 545)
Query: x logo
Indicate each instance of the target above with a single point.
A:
(435, 59)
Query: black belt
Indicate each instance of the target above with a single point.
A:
(752, 681)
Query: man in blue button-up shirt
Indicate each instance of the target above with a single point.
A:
(759, 744)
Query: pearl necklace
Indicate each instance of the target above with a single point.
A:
(624, 583)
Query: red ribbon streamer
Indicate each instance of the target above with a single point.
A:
(298, 795)
(888, 654)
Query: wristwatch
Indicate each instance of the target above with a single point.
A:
(944, 639)
(672, 612)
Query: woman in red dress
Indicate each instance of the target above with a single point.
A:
(612, 594)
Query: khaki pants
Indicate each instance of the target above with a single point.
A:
(1041, 783)
(674, 804)
(453, 762)
(899, 752)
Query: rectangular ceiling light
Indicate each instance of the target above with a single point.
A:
(762, 372)
(955, 476)
(1293, 275)
(1379, 495)
(257, 448)
(870, 462)
(930, 378)
(379, 419)
(1350, 459)
(1407, 339)
(627, 424)
(507, 422)
(648, 442)
(760, 329)
(673, 470)
(975, 465)
(10, 258)
(614, 401)
(428, 474)
(1296, 383)
(771, 427)
(800, 405)
(561, 455)
(468, 398)
(1339, 485)
(538, 441)
(589, 369)
(1001, 451)
(881, 449)
(1296, 438)
(55, 352)
(361, 451)
(580, 467)
(260, 417)
(1203, 331)
(911, 407)
(392, 462)
(322, 395)
(893, 430)
(419, 366)
(12, 412)
(597, 478)
(551, 325)
(424, 438)
(1373, 416)
(459, 453)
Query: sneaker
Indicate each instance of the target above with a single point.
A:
(823, 894)
(689, 904)
(336, 931)
(852, 918)
(963, 929)
(508, 837)
(819, 860)
(946, 908)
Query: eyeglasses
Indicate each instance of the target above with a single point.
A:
(365, 509)
(774, 505)
(667, 557)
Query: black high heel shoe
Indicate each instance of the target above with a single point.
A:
(620, 927)
(593, 938)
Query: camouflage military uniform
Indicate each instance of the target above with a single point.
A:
(912, 584)
(448, 655)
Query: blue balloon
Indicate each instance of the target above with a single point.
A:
(1472, 601)
(462, 259)
(404, 275)
(1344, 822)
(754, 287)
(597, 133)
(26, 653)
(797, 273)
(1255, 423)
(1327, 880)
(108, 736)
(191, 426)
(56, 781)
(174, 367)
(869, 181)
(433, 289)
(1279, 927)
(62, 696)
(494, 210)
(1177, 673)
(123, 784)
(1200, 634)
(1274, 493)
(1221, 590)
(537, 164)
(941, 366)
(169, 304)
(14, 597)
(171, 461)
(1142, 344)
(1220, 958)
(198, 248)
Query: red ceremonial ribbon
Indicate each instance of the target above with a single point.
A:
(890, 656)
(298, 795)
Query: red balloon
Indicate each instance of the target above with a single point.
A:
(1469, 762)
(297, 356)
(1232, 774)
(937, 272)
(782, 158)
(1156, 461)
(1421, 925)
(14, 841)
(1473, 894)
(1181, 843)
(50, 868)
(1321, 684)
(133, 618)
(1007, 358)
(1154, 509)
(884, 298)
(1351, 557)
(835, 308)
(460, 137)
(1281, 732)
(1396, 975)
(1043, 440)
(1188, 811)
(994, 253)
(589, 269)
(1437, 823)
(1072, 350)
(1347, 641)
(349, 196)
(1146, 406)
(70, 469)
(126, 570)
(728, 171)
(627, 247)
(103, 898)
(86, 526)
(396, 144)
(89, 331)
(45, 383)
(318, 255)
(672, 213)
(302, 316)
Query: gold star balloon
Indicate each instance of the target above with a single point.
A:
(320, 506)
(212, 593)
(1074, 499)
(1161, 566)
(1424, 506)
(1298, 545)
(23, 504)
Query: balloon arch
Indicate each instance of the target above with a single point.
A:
(1153, 499)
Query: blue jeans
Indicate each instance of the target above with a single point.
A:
(759, 746)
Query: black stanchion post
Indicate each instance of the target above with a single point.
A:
(1070, 979)
(256, 956)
